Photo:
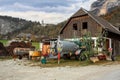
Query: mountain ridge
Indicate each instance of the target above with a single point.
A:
(102, 7)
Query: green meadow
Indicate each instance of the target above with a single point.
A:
(4, 42)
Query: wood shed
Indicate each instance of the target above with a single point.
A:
(85, 21)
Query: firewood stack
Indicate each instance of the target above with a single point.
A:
(22, 44)
(3, 51)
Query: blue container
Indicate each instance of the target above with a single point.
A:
(43, 60)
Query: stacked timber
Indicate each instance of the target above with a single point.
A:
(3, 51)
(22, 44)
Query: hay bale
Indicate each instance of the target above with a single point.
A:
(94, 59)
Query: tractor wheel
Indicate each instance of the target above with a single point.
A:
(66, 56)
(19, 57)
(82, 57)
(77, 57)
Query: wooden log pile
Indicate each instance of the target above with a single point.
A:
(22, 44)
(3, 51)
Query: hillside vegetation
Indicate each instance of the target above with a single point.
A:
(113, 17)
(11, 27)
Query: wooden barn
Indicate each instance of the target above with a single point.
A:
(84, 21)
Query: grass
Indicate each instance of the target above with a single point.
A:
(5, 58)
(78, 63)
(118, 58)
(4, 42)
(63, 63)
(36, 44)
(74, 63)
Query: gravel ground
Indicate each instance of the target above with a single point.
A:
(15, 70)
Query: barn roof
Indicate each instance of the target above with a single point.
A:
(105, 24)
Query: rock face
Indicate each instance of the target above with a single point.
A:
(10, 24)
(7, 26)
(101, 7)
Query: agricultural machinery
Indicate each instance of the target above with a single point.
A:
(67, 49)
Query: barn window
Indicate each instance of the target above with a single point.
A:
(75, 26)
(84, 25)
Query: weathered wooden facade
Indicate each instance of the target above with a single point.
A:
(84, 21)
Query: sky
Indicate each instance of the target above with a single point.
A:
(50, 11)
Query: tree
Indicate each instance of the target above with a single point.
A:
(87, 44)
(101, 41)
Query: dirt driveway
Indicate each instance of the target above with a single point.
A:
(14, 70)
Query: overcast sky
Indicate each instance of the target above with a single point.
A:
(51, 11)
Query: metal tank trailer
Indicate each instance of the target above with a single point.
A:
(67, 49)
(20, 52)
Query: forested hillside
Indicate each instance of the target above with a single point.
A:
(113, 17)
(11, 27)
